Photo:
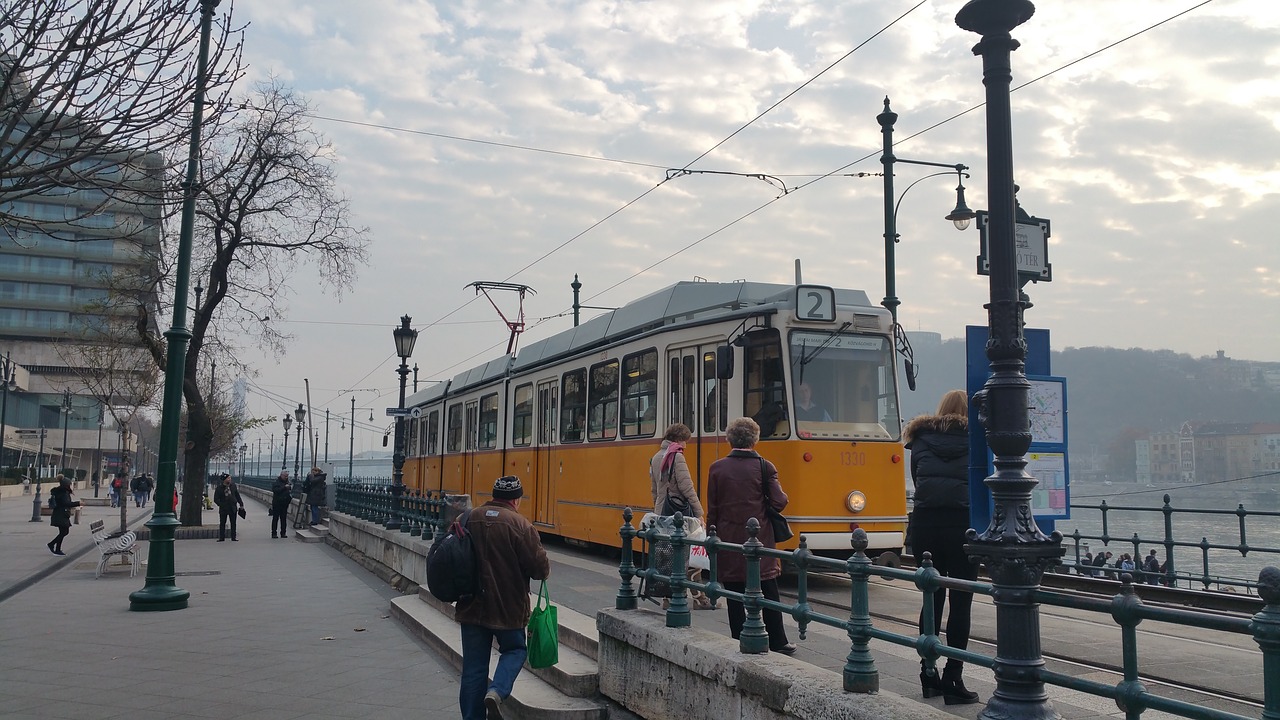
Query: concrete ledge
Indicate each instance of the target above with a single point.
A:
(662, 672)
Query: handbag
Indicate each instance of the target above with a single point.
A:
(675, 504)
(543, 641)
(241, 513)
(781, 530)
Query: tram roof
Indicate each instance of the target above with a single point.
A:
(683, 302)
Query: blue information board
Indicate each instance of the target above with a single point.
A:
(1047, 457)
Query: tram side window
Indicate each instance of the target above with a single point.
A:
(522, 420)
(602, 418)
(573, 405)
(715, 412)
(764, 392)
(673, 387)
(689, 385)
(453, 438)
(433, 432)
(488, 422)
(640, 394)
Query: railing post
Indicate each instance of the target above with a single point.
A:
(754, 639)
(800, 611)
(1266, 632)
(928, 642)
(678, 605)
(627, 597)
(1170, 574)
(714, 587)
(1125, 608)
(860, 674)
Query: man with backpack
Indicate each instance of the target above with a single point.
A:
(1151, 567)
(508, 554)
(117, 488)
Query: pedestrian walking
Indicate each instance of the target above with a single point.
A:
(227, 498)
(738, 486)
(61, 501)
(509, 554)
(1151, 568)
(281, 497)
(669, 477)
(117, 488)
(314, 488)
(148, 484)
(1086, 564)
(939, 445)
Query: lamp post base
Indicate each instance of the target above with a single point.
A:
(160, 593)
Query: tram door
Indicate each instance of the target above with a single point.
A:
(683, 404)
(548, 468)
(470, 430)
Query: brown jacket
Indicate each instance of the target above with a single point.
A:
(509, 554)
(676, 481)
(734, 495)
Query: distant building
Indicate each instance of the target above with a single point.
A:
(1210, 452)
(75, 263)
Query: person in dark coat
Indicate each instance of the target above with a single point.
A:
(509, 554)
(314, 488)
(736, 489)
(939, 447)
(60, 517)
(281, 496)
(227, 498)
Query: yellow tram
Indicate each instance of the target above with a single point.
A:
(578, 415)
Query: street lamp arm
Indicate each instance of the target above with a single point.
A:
(957, 168)
(908, 189)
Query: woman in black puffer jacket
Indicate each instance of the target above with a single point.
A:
(939, 447)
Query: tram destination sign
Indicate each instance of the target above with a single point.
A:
(1031, 235)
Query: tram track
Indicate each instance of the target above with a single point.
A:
(1181, 688)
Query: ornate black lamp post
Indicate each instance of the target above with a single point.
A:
(66, 417)
(35, 502)
(284, 457)
(160, 591)
(244, 451)
(405, 336)
(961, 215)
(1014, 549)
(299, 415)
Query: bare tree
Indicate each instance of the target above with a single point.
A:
(90, 86)
(268, 206)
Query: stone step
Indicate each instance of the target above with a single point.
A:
(577, 631)
(312, 533)
(533, 697)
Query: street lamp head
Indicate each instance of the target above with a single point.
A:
(244, 448)
(962, 215)
(299, 413)
(405, 336)
(987, 17)
(288, 422)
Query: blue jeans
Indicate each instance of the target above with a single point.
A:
(315, 514)
(477, 641)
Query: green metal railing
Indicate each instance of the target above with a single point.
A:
(1168, 543)
(860, 674)
(421, 514)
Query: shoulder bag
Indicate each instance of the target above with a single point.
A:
(674, 503)
(781, 530)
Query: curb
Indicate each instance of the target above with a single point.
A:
(58, 564)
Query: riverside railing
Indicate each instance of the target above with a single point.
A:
(421, 513)
(1167, 541)
(860, 674)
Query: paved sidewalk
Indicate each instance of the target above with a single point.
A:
(275, 629)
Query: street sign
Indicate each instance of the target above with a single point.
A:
(398, 412)
(1031, 234)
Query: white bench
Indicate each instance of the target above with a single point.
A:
(124, 546)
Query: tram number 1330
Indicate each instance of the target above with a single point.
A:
(853, 458)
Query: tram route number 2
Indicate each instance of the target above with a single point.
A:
(815, 303)
(853, 458)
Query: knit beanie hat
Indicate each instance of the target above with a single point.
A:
(508, 487)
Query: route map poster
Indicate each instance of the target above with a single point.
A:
(1047, 457)
(1048, 412)
(1050, 496)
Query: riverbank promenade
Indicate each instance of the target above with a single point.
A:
(275, 629)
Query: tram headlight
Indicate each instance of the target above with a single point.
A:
(856, 501)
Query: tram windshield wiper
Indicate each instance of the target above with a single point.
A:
(806, 358)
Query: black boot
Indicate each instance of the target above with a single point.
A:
(930, 683)
(953, 690)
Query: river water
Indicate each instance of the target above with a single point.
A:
(1261, 531)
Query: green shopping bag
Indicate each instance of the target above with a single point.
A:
(544, 632)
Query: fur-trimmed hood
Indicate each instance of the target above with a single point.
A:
(948, 424)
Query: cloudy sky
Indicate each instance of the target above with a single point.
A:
(528, 140)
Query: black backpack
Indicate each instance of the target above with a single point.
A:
(452, 575)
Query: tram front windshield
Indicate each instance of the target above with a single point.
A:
(843, 386)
